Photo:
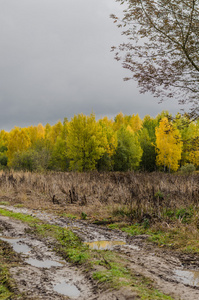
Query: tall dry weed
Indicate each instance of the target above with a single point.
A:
(138, 194)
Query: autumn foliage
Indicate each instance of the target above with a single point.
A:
(84, 144)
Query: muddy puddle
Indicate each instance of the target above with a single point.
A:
(104, 245)
(67, 289)
(190, 277)
(43, 263)
(17, 244)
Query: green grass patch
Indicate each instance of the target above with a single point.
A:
(115, 271)
(178, 236)
(4, 203)
(118, 275)
(22, 217)
(184, 214)
(183, 238)
(70, 216)
(19, 205)
(135, 229)
(5, 293)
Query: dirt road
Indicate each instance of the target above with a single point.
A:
(44, 275)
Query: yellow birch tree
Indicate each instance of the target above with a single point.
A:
(169, 145)
(135, 123)
(18, 141)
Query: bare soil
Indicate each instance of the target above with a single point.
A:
(161, 266)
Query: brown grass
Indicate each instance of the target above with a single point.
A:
(101, 195)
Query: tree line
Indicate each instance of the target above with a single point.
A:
(121, 144)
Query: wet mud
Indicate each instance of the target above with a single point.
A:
(44, 275)
(42, 271)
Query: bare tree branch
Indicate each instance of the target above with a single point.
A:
(163, 48)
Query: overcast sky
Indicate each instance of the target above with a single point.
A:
(55, 61)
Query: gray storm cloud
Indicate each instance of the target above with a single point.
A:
(55, 61)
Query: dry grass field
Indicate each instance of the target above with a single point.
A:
(104, 196)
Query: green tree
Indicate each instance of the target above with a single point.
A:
(128, 153)
(26, 160)
(59, 160)
(85, 142)
(3, 148)
(148, 162)
(55, 132)
(105, 163)
(189, 131)
(150, 124)
(147, 140)
(192, 144)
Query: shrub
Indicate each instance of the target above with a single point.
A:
(187, 168)
(3, 159)
(30, 160)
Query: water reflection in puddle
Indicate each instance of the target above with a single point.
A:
(43, 263)
(190, 277)
(17, 244)
(104, 245)
(67, 289)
